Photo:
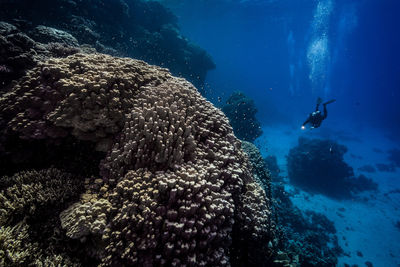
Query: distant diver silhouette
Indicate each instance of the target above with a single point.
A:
(316, 118)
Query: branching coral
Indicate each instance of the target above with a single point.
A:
(26, 193)
(29, 202)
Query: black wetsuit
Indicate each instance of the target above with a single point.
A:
(316, 118)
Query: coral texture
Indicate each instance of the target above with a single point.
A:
(260, 170)
(241, 112)
(29, 201)
(173, 187)
(19, 52)
(46, 35)
(27, 193)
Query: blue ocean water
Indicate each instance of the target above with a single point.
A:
(284, 55)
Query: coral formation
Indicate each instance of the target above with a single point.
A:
(29, 201)
(19, 52)
(306, 238)
(300, 238)
(260, 169)
(135, 28)
(172, 186)
(28, 193)
(318, 166)
(241, 112)
(43, 34)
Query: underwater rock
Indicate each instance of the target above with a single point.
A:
(241, 112)
(168, 183)
(317, 165)
(144, 30)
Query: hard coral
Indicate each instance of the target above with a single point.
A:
(29, 202)
(19, 52)
(174, 187)
(28, 193)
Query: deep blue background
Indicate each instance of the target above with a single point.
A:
(251, 47)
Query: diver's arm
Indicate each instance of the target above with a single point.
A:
(307, 121)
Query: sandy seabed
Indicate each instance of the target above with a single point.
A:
(365, 228)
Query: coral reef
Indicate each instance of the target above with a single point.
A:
(45, 35)
(166, 184)
(306, 238)
(241, 112)
(29, 202)
(300, 238)
(318, 166)
(28, 193)
(260, 169)
(19, 52)
(272, 165)
(140, 29)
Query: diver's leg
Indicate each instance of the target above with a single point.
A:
(319, 101)
(325, 112)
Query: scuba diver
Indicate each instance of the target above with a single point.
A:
(316, 118)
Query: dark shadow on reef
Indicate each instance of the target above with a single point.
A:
(134, 28)
(317, 165)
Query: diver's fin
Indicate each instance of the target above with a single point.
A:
(319, 100)
(330, 101)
